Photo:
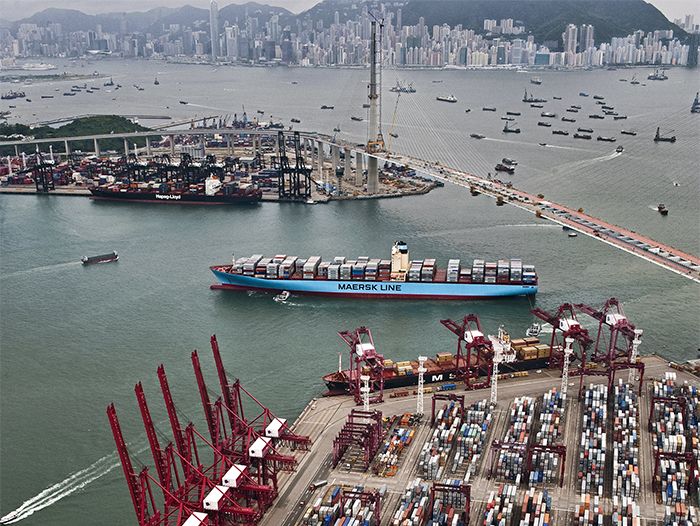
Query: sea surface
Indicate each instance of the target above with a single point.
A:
(73, 339)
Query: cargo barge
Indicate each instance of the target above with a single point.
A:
(211, 192)
(530, 354)
(398, 278)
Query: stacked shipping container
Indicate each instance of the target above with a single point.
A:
(436, 450)
(328, 511)
(545, 464)
(626, 482)
(413, 507)
(471, 437)
(509, 465)
(500, 506)
(591, 465)
(536, 508)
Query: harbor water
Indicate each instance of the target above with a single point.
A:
(75, 338)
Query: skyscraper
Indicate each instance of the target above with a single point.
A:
(586, 39)
(569, 37)
(214, 29)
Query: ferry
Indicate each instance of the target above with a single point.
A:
(395, 278)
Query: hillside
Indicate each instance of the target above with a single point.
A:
(545, 19)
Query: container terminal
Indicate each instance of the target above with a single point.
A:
(600, 436)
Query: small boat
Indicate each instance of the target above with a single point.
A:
(572, 110)
(500, 167)
(598, 97)
(662, 209)
(628, 132)
(477, 136)
(336, 129)
(358, 119)
(634, 80)
(394, 135)
(548, 114)
(619, 117)
(110, 82)
(507, 119)
(68, 94)
(515, 113)
(572, 234)
(536, 81)
(560, 132)
(660, 138)
(488, 108)
(294, 82)
(556, 98)
(103, 258)
(282, 296)
(611, 113)
(536, 105)
(47, 96)
(576, 107)
(184, 102)
(606, 107)
(156, 82)
(583, 94)
(605, 139)
(658, 75)
(600, 102)
(585, 130)
(533, 330)
(695, 106)
(511, 162)
(467, 110)
(261, 112)
(581, 136)
(448, 98)
(437, 82)
(623, 80)
(28, 100)
(596, 116)
(619, 149)
(508, 129)
(365, 105)
(542, 143)
(297, 121)
(326, 107)
(545, 124)
(568, 119)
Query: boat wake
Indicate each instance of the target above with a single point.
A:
(60, 490)
(47, 268)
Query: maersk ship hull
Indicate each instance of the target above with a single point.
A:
(373, 289)
(184, 198)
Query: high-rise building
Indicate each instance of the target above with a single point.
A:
(569, 38)
(586, 38)
(214, 29)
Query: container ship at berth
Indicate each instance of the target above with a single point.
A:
(398, 278)
(529, 354)
(210, 192)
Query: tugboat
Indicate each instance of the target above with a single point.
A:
(534, 330)
(448, 98)
(282, 296)
(695, 107)
(508, 129)
(660, 138)
(103, 258)
(619, 149)
(661, 208)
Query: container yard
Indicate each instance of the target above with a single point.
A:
(575, 443)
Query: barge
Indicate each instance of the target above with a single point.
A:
(397, 278)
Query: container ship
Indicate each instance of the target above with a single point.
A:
(397, 278)
(211, 192)
(529, 354)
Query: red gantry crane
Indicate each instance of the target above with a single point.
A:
(364, 360)
(478, 349)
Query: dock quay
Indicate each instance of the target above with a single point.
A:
(336, 165)
(323, 419)
(551, 446)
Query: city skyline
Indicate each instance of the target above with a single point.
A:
(18, 9)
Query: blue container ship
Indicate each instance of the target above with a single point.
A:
(397, 278)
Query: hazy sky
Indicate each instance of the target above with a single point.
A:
(16, 9)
